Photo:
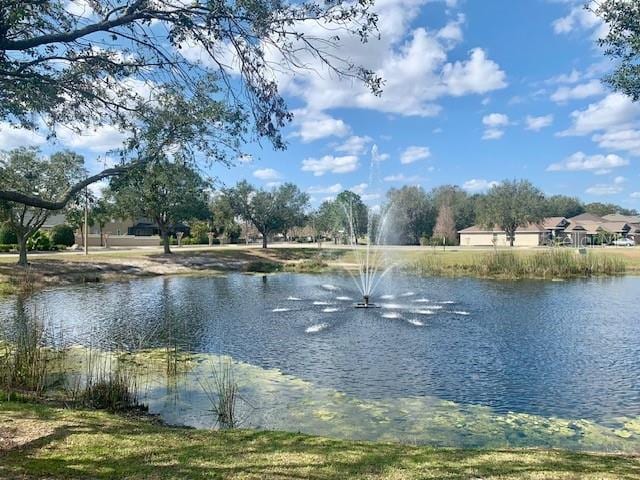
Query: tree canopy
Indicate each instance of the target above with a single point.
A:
(93, 62)
(622, 44)
(25, 169)
(165, 192)
(512, 204)
(270, 211)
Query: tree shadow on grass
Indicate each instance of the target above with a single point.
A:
(139, 450)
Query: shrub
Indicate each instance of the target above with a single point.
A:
(199, 231)
(7, 234)
(111, 391)
(63, 235)
(262, 266)
(4, 248)
(39, 241)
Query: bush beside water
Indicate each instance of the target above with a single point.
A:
(545, 264)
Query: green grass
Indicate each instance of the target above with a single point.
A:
(60, 443)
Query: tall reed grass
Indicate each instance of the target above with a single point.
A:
(555, 263)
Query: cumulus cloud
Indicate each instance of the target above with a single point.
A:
(478, 185)
(354, 145)
(267, 174)
(313, 125)
(604, 189)
(615, 111)
(494, 123)
(401, 177)
(626, 140)
(100, 139)
(578, 92)
(325, 190)
(579, 18)
(14, 137)
(580, 161)
(419, 66)
(635, 195)
(414, 153)
(330, 164)
(538, 123)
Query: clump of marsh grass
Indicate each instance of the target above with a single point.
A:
(554, 263)
(223, 393)
(26, 362)
(114, 391)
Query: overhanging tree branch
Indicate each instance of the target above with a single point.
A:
(60, 203)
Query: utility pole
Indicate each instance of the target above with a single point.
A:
(86, 221)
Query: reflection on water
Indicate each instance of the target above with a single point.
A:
(460, 362)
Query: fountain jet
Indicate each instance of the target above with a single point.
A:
(371, 268)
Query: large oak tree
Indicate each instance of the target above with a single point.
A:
(108, 62)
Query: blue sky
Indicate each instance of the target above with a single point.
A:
(476, 92)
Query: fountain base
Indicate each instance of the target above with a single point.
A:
(366, 304)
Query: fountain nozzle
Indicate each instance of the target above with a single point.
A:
(365, 303)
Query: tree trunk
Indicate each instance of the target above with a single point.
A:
(512, 237)
(165, 241)
(264, 240)
(22, 249)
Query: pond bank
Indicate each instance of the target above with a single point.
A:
(72, 268)
(38, 441)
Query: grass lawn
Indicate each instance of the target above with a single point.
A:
(41, 442)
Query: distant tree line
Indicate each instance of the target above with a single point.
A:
(172, 192)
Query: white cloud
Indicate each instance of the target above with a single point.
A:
(477, 75)
(79, 8)
(376, 156)
(578, 18)
(478, 185)
(578, 92)
(330, 164)
(401, 177)
(359, 189)
(573, 77)
(414, 153)
(579, 161)
(419, 66)
(100, 139)
(267, 174)
(635, 195)
(331, 189)
(615, 111)
(13, 137)
(619, 180)
(492, 134)
(494, 123)
(604, 189)
(626, 140)
(538, 123)
(495, 120)
(316, 125)
(354, 145)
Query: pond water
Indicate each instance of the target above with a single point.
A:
(457, 362)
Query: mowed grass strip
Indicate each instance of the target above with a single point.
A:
(57, 443)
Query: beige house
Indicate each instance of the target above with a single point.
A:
(477, 236)
(582, 230)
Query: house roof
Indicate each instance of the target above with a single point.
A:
(616, 217)
(593, 228)
(530, 228)
(586, 217)
(550, 223)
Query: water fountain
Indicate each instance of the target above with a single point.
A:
(370, 259)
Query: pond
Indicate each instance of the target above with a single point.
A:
(457, 362)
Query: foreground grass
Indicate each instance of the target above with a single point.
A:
(38, 442)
